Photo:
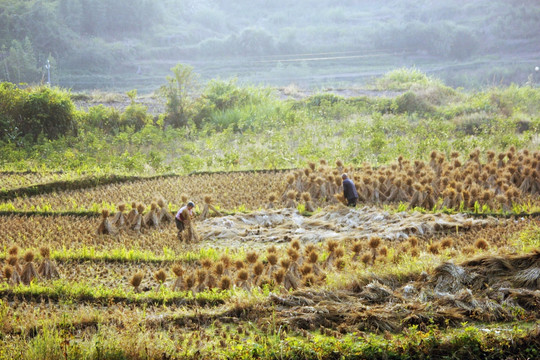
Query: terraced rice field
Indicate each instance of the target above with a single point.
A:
(435, 261)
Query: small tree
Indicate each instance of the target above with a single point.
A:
(178, 93)
(135, 115)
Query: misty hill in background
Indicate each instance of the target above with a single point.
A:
(127, 44)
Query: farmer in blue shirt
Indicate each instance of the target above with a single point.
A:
(349, 191)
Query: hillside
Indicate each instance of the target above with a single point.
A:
(123, 45)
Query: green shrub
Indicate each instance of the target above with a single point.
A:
(104, 118)
(111, 121)
(516, 98)
(135, 116)
(410, 103)
(322, 99)
(472, 124)
(224, 103)
(403, 79)
(224, 95)
(36, 111)
(331, 106)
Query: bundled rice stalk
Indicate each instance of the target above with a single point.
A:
(307, 201)
(119, 220)
(374, 243)
(219, 269)
(190, 281)
(241, 280)
(225, 283)
(132, 214)
(201, 278)
(331, 245)
(313, 257)
(272, 261)
(12, 275)
(29, 272)
(207, 207)
(417, 197)
(189, 235)
(279, 276)
(106, 227)
(294, 265)
(13, 261)
(136, 280)
(226, 261)
(271, 200)
(291, 199)
(291, 186)
(13, 251)
(340, 199)
(47, 269)
(356, 249)
(251, 258)
(160, 277)
(258, 270)
(138, 221)
(429, 200)
(164, 216)
(179, 283)
(151, 219)
(290, 270)
(211, 282)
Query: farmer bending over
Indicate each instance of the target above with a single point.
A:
(183, 217)
(349, 191)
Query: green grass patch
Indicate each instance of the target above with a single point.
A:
(68, 292)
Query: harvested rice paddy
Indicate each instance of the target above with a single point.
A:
(439, 259)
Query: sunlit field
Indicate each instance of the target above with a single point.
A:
(439, 257)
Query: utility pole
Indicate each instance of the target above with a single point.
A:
(48, 67)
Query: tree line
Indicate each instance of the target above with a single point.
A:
(87, 36)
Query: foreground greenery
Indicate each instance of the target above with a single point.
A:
(221, 128)
(245, 341)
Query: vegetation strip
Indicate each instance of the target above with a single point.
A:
(42, 294)
(123, 256)
(31, 172)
